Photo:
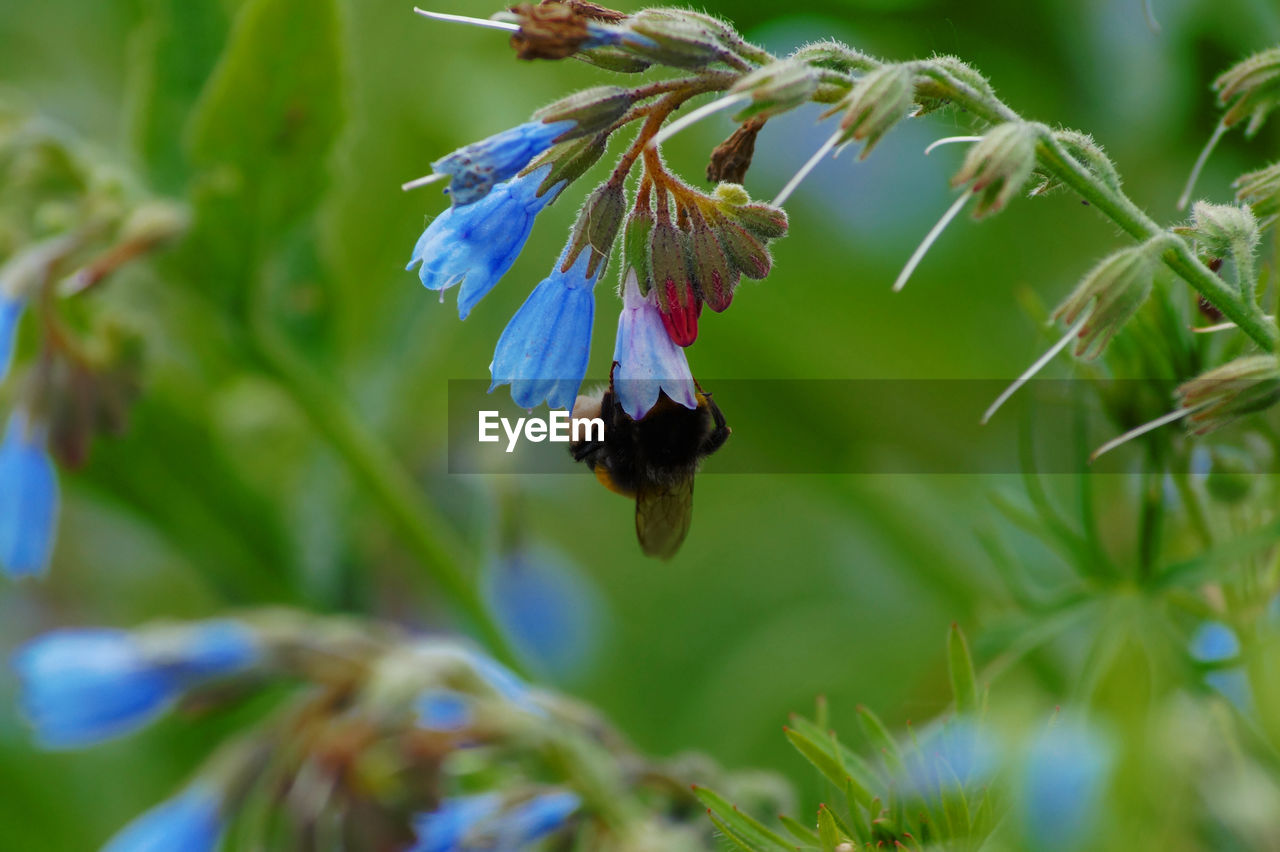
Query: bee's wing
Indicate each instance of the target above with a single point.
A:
(663, 513)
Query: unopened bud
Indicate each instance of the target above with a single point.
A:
(877, 102)
(1222, 229)
(592, 110)
(676, 38)
(763, 221)
(999, 165)
(1260, 190)
(597, 227)
(776, 88)
(678, 302)
(569, 160)
(714, 277)
(835, 56)
(1225, 394)
(635, 246)
(1108, 297)
(1250, 90)
(1087, 153)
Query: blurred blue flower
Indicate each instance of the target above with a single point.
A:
(28, 498)
(648, 361)
(543, 351)
(506, 683)
(10, 313)
(956, 751)
(479, 824)
(477, 244)
(444, 710)
(189, 822)
(1215, 642)
(478, 167)
(83, 686)
(547, 608)
(1065, 774)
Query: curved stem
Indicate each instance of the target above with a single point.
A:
(424, 532)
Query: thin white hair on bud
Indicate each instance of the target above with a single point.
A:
(697, 115)
(809, 166)
(1222, 326)
(1032, 370)
(464, 19)
(423, 181)
(948, 140)
(1138, 431)
(1185, 198)
(952, 212)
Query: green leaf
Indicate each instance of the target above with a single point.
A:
(964, 681)
(262, 135)
(861, 773)
(799, 830)
(878, 735)
(173, 51)
(734, 839)
(820, 757)
(828, 833)
(740, 823)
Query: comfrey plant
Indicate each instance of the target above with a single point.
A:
(390, 741)
(58, 245)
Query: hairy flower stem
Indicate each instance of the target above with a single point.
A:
(424, 532)
(1120, 209)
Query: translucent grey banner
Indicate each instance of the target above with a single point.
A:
(856, 426)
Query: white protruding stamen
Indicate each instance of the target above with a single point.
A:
(697, 115)
(1032, 370)
(423, 181)
(805, 169)
(947, 140)
(1140, 430)
(1222, 326)
(930, 239)
(463, 19)
(1185, 198)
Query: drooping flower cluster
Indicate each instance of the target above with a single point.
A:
(684, 248)
(467, 756)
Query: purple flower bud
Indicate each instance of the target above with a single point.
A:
(678, 301)
(543, 351)
(480, 166)
(648, 360)
(28, 498)
(444, 710)
(84, 686)
(190, 821)
(716, 278)
(476, 245)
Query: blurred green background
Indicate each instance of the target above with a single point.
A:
(222, 495)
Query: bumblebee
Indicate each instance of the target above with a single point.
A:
(652, 460)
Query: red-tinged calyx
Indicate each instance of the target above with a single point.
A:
(678, 302)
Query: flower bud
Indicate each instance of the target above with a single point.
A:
(569, 161)
(999, 165)
(1225, 394)
(617, 60)
(744, 251)
(597, 227)
(1221, 228)
(1108, 297)
(878, 101)
(1087, 153)
(712, 273)
(776, 88)
(1260, 190)
(592, 110)
(834, 56)
(677, 38)
(678, 302)
(1250, 90)
(635, 247)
